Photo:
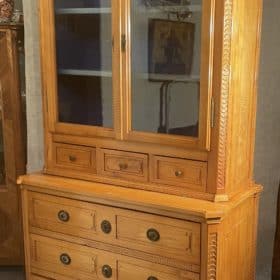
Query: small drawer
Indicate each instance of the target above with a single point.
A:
(171, 238)
(71, 217)
(123, 165)
(128, 270)
(75, 157)
(179, 172)
(70, 260)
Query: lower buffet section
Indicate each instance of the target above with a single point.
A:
(77, 230)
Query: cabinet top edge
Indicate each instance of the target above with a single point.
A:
(197, 209)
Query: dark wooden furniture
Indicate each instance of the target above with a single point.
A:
(276, 258)
(12, 147)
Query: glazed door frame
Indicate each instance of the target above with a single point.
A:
(206, 62)
(121, 77)
(49, 71)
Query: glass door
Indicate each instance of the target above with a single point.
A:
(83, 85)
(169, 71)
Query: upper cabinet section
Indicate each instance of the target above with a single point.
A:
(135, 70)
(153, 94)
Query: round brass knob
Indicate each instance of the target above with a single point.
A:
(123, 166)
(65, 259)
(152, 278)
(106, 227)
(153, 235)
(178, 173)
(107, 271)
(63, 216)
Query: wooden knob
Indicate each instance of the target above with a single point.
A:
(123, 166)
(72, 158)
(178, 173)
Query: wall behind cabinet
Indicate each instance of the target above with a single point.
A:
(267, 160)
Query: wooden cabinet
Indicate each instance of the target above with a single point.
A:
(162, 81)
(12, 143)
(149, 129)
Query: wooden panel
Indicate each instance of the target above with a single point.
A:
(76, 157)
(133, 270)
(88, 262)
(84, 219)
(36, 277)
(128, 228)
(132, 166)
(176, 239)
(179, 172)
(84, 263)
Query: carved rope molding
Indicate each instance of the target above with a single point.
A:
(212, 256)
(224, 93)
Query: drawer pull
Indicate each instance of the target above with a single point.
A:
(123, 166)
(153, 235)
(152, 278)
(107, 271)
(106, 227)
(63, 216)
(72, 158)
(65, 259)
(179, 173)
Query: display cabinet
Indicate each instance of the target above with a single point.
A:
(149, 137)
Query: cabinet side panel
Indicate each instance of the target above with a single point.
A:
(242, 105)
(238, 243)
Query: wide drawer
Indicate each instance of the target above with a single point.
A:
(124, 165)
(75, 157)
(179, 172)
(63, 260)
(162, 236)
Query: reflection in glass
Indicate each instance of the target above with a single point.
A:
(84, 62)
(166, 66)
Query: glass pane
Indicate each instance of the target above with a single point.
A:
(84, 61)
(165, 57)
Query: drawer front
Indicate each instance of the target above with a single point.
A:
(128, 270)
(64, 260)
(71, 217)
(171, 238)
(70, 260)
(179, 172)
(76, 157)
(123, 165)
(165, 237)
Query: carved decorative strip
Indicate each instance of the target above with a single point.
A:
(212, 256)
(224, 93)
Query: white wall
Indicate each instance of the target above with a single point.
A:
(267, 160)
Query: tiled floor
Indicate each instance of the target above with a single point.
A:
(11, 273)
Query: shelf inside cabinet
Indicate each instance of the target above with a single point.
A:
(81, 11)
(171, 78)
(78, 72)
